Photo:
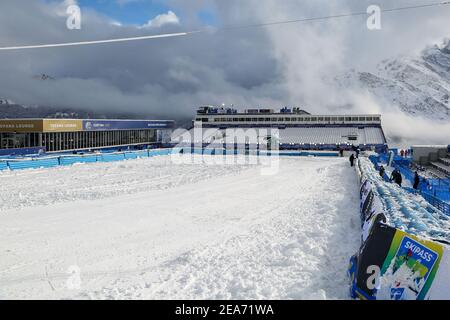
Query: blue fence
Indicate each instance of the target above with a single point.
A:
(3, 165)
(66, 160)
(33, 163)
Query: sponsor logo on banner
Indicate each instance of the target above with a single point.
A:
(63, 125)
(20, 126)
(410, 268)
(397, 293)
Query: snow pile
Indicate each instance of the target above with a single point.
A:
(149, 229)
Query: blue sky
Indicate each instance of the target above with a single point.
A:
(130, 12)
(137, 11)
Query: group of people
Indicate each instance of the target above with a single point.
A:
(396, 177)
(405, 153)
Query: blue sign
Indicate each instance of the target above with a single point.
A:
(419, 260)
(103, 125)
(397, 293)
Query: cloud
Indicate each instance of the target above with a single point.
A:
(292, 64)
(163, 19)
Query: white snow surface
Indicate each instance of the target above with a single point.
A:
(153, 229)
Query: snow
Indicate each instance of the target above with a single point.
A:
(405, 182)
(406, 211)
(154, 229)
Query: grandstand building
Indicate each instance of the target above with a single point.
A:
(56, 135)
(297, 128)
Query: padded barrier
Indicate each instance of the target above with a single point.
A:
(3, 165)
(33, 164)
(392, 264)
(159, 152)
(136, 155)
(65, 160)
(69, 160)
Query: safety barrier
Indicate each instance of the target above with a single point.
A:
(110, 157)
(3, 165)
(392, 264)
(69, 160)
(66, 160)
(33, 164)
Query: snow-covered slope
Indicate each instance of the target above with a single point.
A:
(418, 86)
(149, 229)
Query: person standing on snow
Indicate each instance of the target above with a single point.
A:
(416, 181)
(352, 159)
(399, 179)
(396, 176)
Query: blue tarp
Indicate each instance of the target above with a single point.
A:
(135, 155)
(112, 157)
(69, 160)
(3, 165)
(33, 164)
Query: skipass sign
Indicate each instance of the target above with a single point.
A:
(410, 268)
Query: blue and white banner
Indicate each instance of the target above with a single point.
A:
(102, 125)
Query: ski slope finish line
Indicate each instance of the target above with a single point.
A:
(153, 229)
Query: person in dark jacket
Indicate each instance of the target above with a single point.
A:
(393, 175)
(352, 159)
(396, 176)
(416, 181)
(382, 170)
(399, 179)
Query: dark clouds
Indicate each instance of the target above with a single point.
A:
(276, 66)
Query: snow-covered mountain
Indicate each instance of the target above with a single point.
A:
(5, 102)
(418, 86)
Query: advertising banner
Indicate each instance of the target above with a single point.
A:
(392, 264)
(410, 267)
(102, 125)
(62, 125)
(20, 125)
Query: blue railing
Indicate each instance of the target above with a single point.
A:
(65, 160)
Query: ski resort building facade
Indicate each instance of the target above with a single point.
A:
(56, 135)
(297, 129)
